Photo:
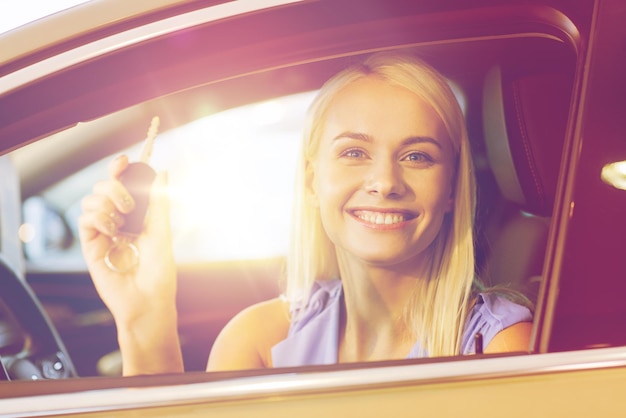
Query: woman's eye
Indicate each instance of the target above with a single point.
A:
(418, 157)
(353, 153)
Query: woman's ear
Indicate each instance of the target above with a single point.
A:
(449, 204)
(450, 201)
(311, 186)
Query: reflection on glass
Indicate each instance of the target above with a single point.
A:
(230, 179)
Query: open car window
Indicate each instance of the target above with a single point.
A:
(231, 177)
(230, 184)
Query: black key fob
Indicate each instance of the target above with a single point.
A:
(137, 178)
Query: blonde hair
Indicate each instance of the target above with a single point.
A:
(438, 308)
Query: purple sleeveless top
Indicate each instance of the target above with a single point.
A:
(314, 333)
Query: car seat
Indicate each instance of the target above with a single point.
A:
(524, 122)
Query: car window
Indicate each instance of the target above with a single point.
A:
(230, 197)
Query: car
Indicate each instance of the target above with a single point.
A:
(542, 88)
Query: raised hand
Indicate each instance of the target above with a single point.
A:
(143, 298)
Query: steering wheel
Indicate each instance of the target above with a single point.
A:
(30, 347)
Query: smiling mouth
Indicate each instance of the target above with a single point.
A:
(382, 218)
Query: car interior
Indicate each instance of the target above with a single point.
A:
(516, 81)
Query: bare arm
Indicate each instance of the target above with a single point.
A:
(246, 341)
(511, 339)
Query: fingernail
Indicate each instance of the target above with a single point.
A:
(127, 202)
(116, 217)
(111, 227)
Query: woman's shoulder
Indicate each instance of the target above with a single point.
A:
(276, 309)
(247, 339)
(492, 313)
(321, 296)
(499, 308)
(314, 328)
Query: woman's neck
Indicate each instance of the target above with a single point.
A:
(373, 324)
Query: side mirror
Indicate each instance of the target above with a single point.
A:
(45, 230)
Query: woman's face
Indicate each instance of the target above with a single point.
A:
(382, 176)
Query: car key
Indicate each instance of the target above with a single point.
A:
(123, 255)
(138, 178)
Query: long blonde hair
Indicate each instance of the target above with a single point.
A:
(438, 308)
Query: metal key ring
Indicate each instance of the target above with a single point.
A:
(122, 244)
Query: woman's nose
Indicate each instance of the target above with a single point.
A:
(385, 179)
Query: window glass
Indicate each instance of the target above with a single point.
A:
(230, 183)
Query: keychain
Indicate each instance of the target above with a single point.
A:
(123, 255)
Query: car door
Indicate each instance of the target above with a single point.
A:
(579, 363)
(584, 306)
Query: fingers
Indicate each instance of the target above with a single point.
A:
(115, 192)
(118, 165)
(100, 214)
(103, 211)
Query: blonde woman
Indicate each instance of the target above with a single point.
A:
(382, 260)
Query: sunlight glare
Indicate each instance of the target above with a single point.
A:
(231, 180)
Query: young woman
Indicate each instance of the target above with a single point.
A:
(382, 259)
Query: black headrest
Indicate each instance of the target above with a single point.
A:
(524, 120)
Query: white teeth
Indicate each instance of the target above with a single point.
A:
(380, 218)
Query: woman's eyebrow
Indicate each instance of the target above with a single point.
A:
(421, 139)
(367, 138)
(354, 135)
